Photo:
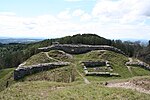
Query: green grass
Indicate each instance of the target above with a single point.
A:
(138, 71)
(38, 58)
(42, 57)
(44, 90)
(116, 60)
(55, 84)
(60, 55)
(4, 72)
(64, 74)
(6, 75)
(30, 90)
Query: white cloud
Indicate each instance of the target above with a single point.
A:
(82, 15)
(123, 10)
(78, 12)
(85, 17)
(64, 15)
(109, 18)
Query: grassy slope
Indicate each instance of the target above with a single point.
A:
(38, 58)
(60, 55)
(117, 61)
(38, 86)
(45, 90)
(6, 75)
(65, 74)
(62, 74)
(137, 71)
(4, 72)
(42, 57)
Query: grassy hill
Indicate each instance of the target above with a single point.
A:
(68, 82)
(45, 90)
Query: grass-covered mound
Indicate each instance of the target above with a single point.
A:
(44, 90)
(47, 57)
(65, 74)
(117, 61)
(38, 58)
(71, 79)
(60, 55)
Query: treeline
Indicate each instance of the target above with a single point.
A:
(144, 54)
(11, 55)
(130, 48)
(91, 39)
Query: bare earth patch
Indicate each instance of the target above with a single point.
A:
(142, 85)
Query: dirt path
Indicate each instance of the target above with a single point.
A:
(46, 53)
(128, 85)
(129, 67)
(86, 81)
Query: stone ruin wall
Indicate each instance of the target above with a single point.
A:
(94, 63)
(141, 64)
(23, 71)
(90, 64)
(79, 49)
(20, 72)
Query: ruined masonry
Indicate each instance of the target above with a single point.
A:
(138, 63)
(96, 65)
(79, 49)
(23, 71)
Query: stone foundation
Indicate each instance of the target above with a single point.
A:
(23, 71)
(141, 64)
(97, 65)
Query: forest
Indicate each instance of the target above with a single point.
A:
(13, 54)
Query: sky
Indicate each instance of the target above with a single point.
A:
(112, 19)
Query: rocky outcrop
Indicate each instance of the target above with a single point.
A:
(23, 71)
(78, 49)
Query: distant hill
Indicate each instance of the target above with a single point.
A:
(18, 40)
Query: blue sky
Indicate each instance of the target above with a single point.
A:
(114, 19)
(31, 8)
